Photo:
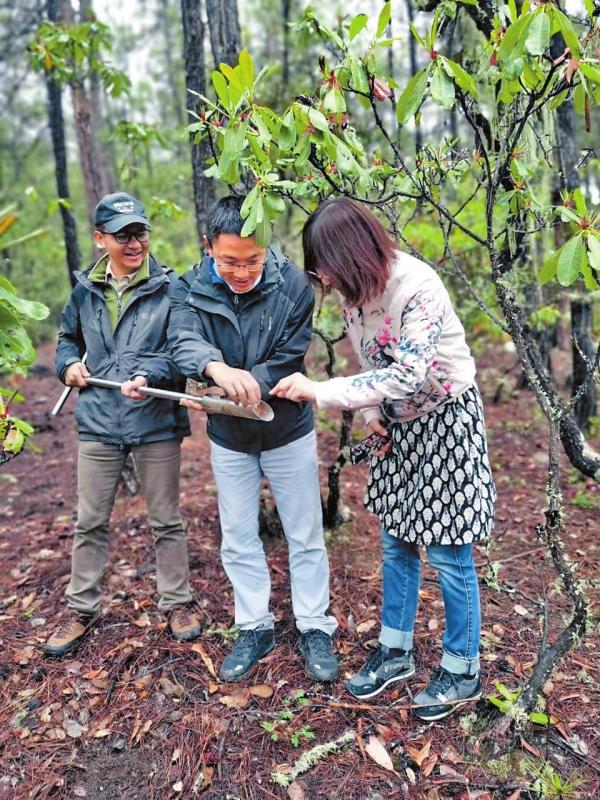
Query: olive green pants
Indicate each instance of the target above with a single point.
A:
(98, 469)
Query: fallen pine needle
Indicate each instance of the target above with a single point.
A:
(311, 758)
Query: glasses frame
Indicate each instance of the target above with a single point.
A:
(325, 287)
(145, 233)
(232, 269)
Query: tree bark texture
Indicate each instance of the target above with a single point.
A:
(224, 28)
(586, 404)
(171, 66)
(92, 178)
(86, 140)
(193, 53)
(57, 133)
(413, 66)
(581, 307)
(104, 161)
(285, 58)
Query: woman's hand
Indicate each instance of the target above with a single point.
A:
(130, 388)
(295, 387)
(376, 426)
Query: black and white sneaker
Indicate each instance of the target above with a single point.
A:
(381, 670)
(319, 659)
(445, 693)
(250, 646)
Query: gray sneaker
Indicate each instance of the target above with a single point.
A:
(320, 661)
(445, 693)
(250, 646)
(379, 672)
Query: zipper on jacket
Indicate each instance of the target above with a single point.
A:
(133, 324)
(261, 325)
(106, 347)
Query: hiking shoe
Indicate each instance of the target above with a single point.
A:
(70, 632)
(319, 659)
(381, 670)
(184, 623)
(251, 645)
(445, 693)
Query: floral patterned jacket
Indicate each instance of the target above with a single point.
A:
(411, 345)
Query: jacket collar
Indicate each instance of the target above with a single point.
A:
(90, 278)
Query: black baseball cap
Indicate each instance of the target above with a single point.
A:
(115, 211)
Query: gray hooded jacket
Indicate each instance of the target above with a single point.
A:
(138, 346)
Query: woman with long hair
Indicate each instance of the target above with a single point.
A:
(429, 482)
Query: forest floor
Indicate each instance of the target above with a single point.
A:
(132, 714)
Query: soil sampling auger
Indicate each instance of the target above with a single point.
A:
(211, 403)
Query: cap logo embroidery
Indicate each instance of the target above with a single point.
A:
(123, 206)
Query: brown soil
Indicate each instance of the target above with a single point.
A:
(133, 714)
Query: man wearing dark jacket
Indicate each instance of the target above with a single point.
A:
(118, 314)
(242, 318)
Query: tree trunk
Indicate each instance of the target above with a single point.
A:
(87, 150)
(165, 22)
(224, 28)
(581, 307)
(193, 53)
(85, 135)
(414, 66)
(104, 163)
(583, 356)
(391, 68)
(333, 516)
(57, 132)
(285, 60)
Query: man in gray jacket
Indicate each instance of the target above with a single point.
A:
(118, 314)
(242, 318)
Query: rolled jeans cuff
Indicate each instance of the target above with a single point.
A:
(459, 665)
(400, 640)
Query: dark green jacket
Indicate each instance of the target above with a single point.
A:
(265, 331)
(138, 346)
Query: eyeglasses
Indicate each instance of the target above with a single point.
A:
(124, 237)
(230, 269)
(324, 280)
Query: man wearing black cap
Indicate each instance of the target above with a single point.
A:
(118, 314)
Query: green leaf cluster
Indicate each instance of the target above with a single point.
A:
(311, 149)
(16, 348)
(70, 53)
(506, 700)
(579, 256)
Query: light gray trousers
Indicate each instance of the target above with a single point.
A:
(98, 469)
(293, 474)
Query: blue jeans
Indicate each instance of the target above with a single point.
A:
(293, 474)
(460, 591)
